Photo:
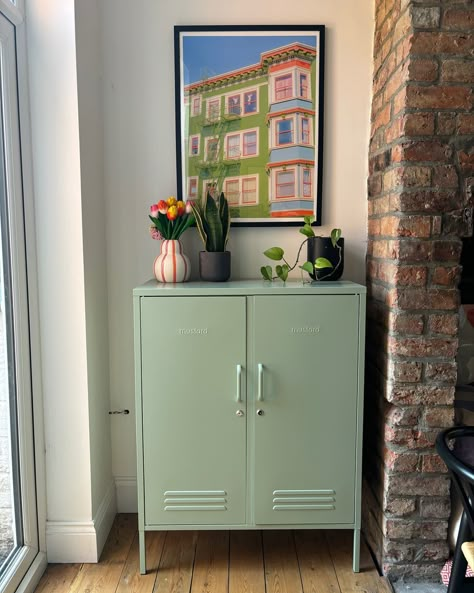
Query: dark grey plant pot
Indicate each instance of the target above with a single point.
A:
(322, 247)
(214, 266)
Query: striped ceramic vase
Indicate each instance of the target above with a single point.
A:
(172, 265)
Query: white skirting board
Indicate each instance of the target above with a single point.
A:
(127, 501)
(74, 541)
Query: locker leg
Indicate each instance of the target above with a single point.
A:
(141, 542)
(356, 551)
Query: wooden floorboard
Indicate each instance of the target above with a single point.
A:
(285, 561)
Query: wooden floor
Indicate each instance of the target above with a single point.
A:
(220, 562)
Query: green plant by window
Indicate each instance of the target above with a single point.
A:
(277, 254)
(212, 221)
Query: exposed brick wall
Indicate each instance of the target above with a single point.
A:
(421, 174)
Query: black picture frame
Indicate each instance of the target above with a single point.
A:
(250, 119)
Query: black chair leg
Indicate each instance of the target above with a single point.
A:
(458, 571)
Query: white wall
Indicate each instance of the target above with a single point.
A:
(71, 252)
(140, 156)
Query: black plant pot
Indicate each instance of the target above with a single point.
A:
(214, 266)
(322, 247)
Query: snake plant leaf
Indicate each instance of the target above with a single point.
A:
(214, 235)
(335, 236)
(307, 267)
(321, 263)
(198, 215)
(307, 230)
(225, 219)
(275, 253)
(266, 272)
(282, 272)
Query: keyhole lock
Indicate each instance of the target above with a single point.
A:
(239, 413)
(260, 412)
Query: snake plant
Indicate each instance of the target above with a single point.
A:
(213, 221)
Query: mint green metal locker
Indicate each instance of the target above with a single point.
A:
(193, 353)
(305, 368)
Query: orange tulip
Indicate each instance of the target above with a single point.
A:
(181, 207)
(172, 213)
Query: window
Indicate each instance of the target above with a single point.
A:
(283, 87)
(285, 184)
(192, 188)
(196, 110)
(212, 147)
(249, 190)
(303, 86)
(233, 105)
(305, 133)
(194, 146)
(213, 109)
(233, 146)
(250, 102)
(250, 143)
(232, 191)
(284, 132)
(307, 183)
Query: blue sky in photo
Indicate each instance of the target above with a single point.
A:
(207, 55)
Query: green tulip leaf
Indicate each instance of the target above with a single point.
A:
(322, 263)
(307, 267)
(266, 272)
(335, 236)
(275, 253)
(307, 230)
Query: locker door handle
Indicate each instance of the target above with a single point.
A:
(238, 398)
(260, 383)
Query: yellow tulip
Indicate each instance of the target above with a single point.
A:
(171, 201)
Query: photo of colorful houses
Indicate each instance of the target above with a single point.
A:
(250, 121)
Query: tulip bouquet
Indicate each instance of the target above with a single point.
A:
(170, 218)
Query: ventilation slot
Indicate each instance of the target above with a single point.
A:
(304, 500)
(195, 500)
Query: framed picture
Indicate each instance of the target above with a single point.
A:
(249, 119)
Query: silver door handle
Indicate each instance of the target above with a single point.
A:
(238, 398)
(260, 383)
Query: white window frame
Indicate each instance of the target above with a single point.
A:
(214, 99)
(198, 136)
(241, 134)
(275, 122)
(241, 179)
(207, 140)
(296, 118)
(30, 561)
(195, 112)
(298, 171)
(189, 195)
(294, 71)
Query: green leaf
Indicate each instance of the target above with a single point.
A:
(282, 272)
(266, 272)
(307, 267)
(307, 231)
(335, 236)
(322, 263)
(309, 219)
(275, 253)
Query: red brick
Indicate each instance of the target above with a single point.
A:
(410, 438)
(397, 552)
(374, 226)
(436, 225)
(422, 347)
(381, 119)
(425, 201)
(459, 19)
(426, 150)
(401, 416)
(441, 371)
(422, 70)
(400, 507)
(446, 276)
(445, 176)
(406, 226)
(457, 71)
(465, 123)
(381, 205)
(419, 124)
(423, 299)
(438, 97)
(443, 324)
(396, 462)
(412, 251)
(421, 572)
(400, 101)
(405, 372)
(414, 395)
(405, 323)
(446, 123)
(395, 130)
(439, 417)
(447, 251)
(436, 508)
(432, 43)
(466, 161)
(417, 485)
(375, 184)
(432, 464)
(403, 529)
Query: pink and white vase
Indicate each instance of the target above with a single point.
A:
(172, 265)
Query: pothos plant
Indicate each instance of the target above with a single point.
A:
(278, 254)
